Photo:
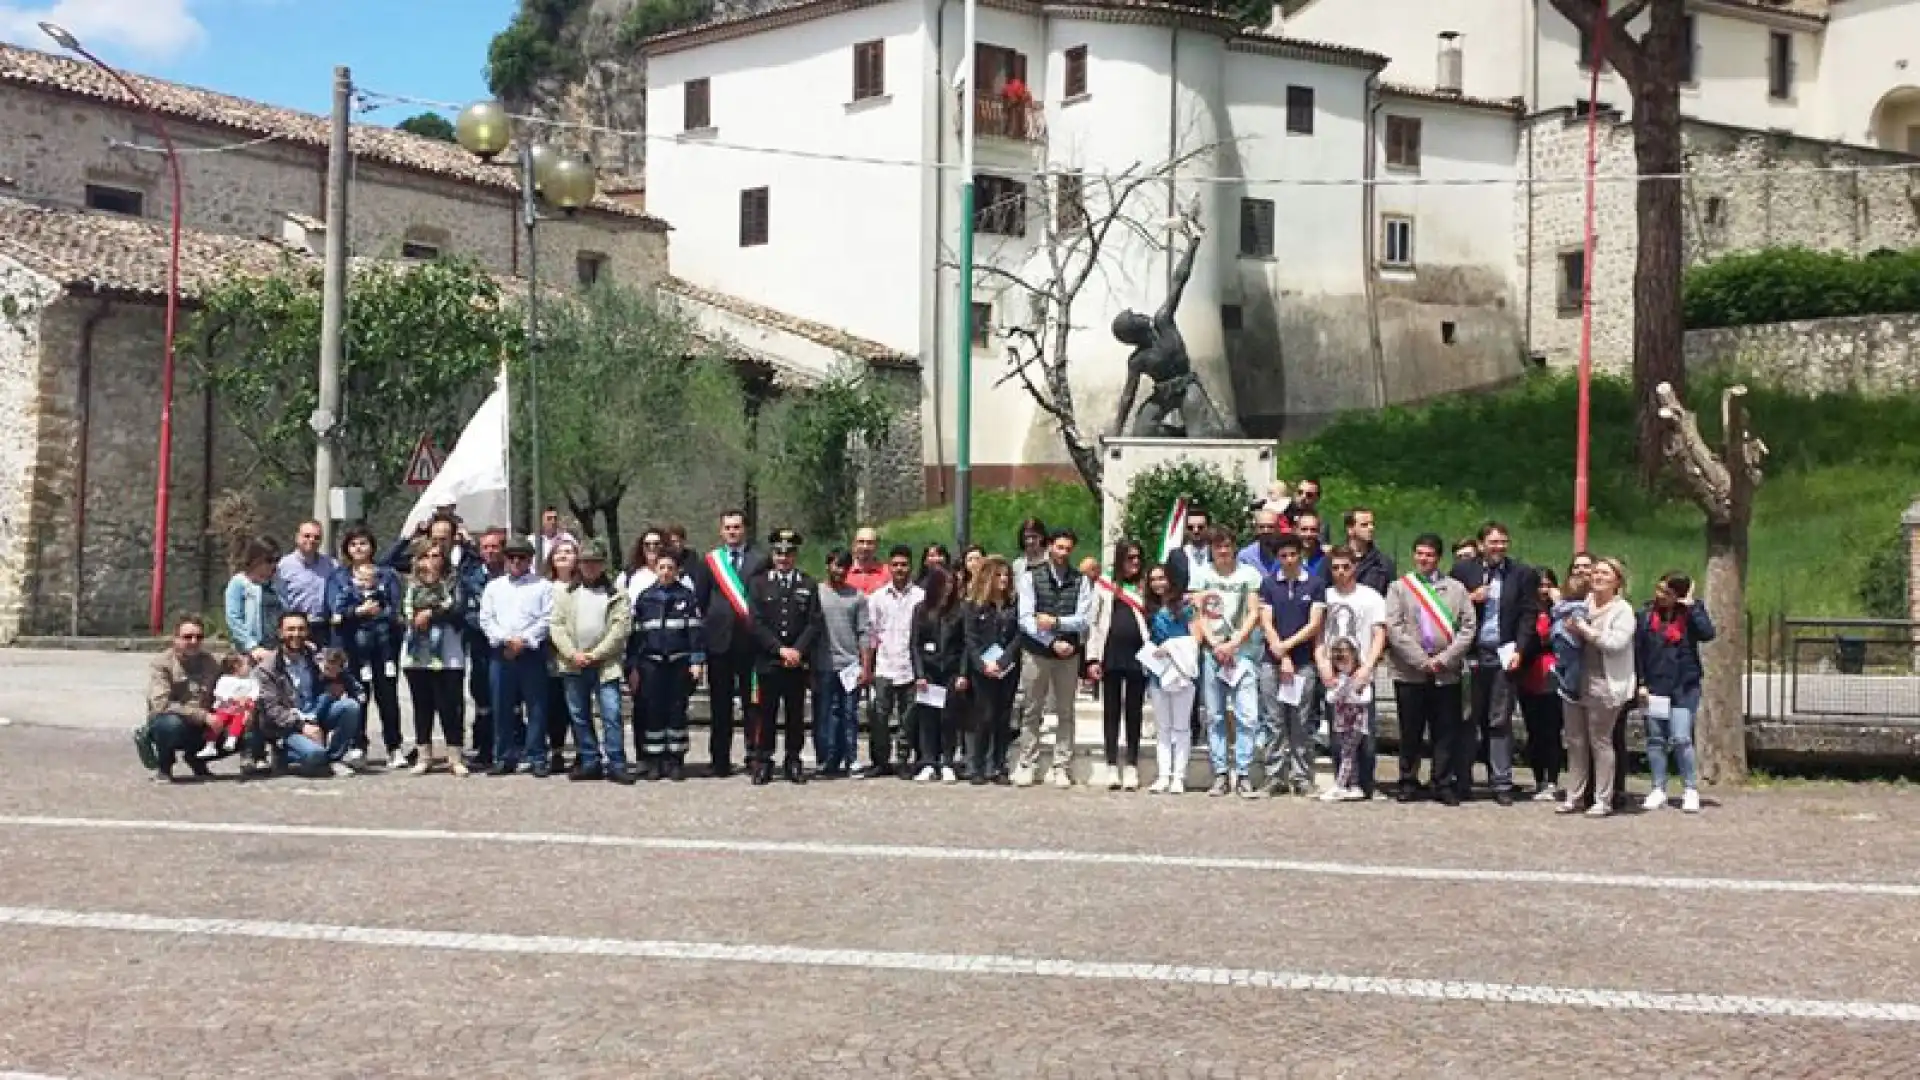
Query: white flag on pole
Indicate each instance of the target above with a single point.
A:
(474, 477)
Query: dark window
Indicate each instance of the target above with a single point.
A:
(1076, 80)
(1689, 50)
(1585, 50)
(1396, 242)
(115, 200)
(981, 331)
(1573, 280)
(1779, 65)
(1070, 200)
(994, 66)
(589, 267)
(1403, 142)
(753, 217)
(1256, 227)
(698, 111)
(1716, 209)
(1447, 331)
(1299, 110)
(999, 206)
(412, 249)
(869, 70)
(1230, 316)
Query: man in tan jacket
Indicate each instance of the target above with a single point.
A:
(1430, 627)
(591, 619)
(179, 702)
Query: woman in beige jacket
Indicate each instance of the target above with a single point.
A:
(1606, 684)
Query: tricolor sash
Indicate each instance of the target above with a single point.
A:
(1433, 610)
(1126, 594)
(727, 580)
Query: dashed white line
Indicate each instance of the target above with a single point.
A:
(949, 964)
(812, 848)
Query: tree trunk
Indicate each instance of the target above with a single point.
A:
(1658, 333)
(611, 511)
(1719, 731)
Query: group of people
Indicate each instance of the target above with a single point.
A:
(1254, 645)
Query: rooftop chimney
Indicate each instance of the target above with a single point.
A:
(1447, 81)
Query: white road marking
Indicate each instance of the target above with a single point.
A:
(947, 964)
(811, 848)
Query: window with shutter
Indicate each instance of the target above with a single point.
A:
(1075, 84)
(753, 217)
(1256, 227)
(697, 110)
(869, 70)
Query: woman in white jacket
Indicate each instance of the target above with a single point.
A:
(1606, 684)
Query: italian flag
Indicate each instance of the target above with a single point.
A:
(1432, 609)
(1174, 532)
(728, 581)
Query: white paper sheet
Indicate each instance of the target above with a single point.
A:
(850, 676)
(1291, 690)
(992, 654)
(1153, 659)
(1505, 653)
(933, 696)
(1659, 708)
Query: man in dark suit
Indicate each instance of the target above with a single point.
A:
(1506, 600)
(1193, 551)
(721, 582)
(787, 624)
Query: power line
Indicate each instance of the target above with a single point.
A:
(122, 144)
(374, 97)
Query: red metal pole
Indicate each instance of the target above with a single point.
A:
(162, 490)
(1584, 426)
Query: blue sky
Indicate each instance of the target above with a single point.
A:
(283, 51)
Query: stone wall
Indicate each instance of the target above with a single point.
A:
(1746, 190)
(53, 146)
(1868, 354)
(23, 295)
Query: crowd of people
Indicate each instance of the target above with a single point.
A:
(1266, 646)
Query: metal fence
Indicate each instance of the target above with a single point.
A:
(1852, 668)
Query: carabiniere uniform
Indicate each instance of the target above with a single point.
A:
(786, 615)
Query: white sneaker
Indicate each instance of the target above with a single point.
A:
(1657, 800)
(1130, 779)
(422, 765)
(1160, 786)
(1022, 776)
(1060, 778)
(1690, 801)
(1102, 776)
(948, 776)
(208, 752)
(1222, 785)
(1330, 795)
(1177, 787)
(355, 760)
(1352, 794)
(1113, 777)
(927, 774)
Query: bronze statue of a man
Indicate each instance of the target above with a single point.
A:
(1178, 405)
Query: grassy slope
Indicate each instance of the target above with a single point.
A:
(1842, 469)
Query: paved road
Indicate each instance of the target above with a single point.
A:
(399, 926)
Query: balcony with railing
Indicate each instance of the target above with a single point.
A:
(1016, 118)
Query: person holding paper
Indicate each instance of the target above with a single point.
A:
(1430, 627)
(1173, 663)
(1056, 610)
(1666, 647)
(1504, 594)
(1226, 614)
(1607, 683)
(937, 648)
(992, 634)
(1292, 607)
(841, 671)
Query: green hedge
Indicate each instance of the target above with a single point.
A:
(1782, 284)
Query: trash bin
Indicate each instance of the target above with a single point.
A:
(1850, 655)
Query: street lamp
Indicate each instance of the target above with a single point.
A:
(565, 182)
(162, 490)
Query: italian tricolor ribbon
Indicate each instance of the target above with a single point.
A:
(728, 580)
(1126, 594)
(1174, 532)
(1434, 610)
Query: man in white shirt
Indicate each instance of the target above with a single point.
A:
(890, 614)
(516, 614)
(1357, 612)
(1055, 613)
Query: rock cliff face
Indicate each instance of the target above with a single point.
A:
(607, 87)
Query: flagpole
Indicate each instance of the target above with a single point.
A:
(963, 408)
(504, 384)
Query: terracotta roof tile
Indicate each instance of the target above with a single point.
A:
(126, 256)
(1516, 106)
(371, 142)
(859, 348)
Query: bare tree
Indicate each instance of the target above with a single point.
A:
(1723, 484)
(1081, 217)
(1651, 65)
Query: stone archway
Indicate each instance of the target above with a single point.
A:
(1896, 120)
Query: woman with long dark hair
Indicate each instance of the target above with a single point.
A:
(992, 634)
(1539, 699)
(1119, 633)
(1169, 616)
(939, 648)
(363, 605)
(933, 557)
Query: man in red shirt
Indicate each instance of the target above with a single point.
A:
(868, 572)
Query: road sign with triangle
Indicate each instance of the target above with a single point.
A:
(424, 465)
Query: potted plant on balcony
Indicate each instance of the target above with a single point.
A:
(1019, 99)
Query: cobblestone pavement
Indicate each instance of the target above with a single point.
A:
(398, 926)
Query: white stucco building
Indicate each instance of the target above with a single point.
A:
(808, 158)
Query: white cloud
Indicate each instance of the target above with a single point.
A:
(147, 29)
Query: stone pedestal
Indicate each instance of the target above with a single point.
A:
(1127, 457)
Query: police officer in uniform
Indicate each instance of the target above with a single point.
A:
(786, 623)
(665, 658)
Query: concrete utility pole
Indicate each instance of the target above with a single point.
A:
(333, 303)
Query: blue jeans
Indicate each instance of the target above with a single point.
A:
(836, 731)
(1673, 735)
(582, 691)
(340, 719)
(519, 683)
(1245, 699)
